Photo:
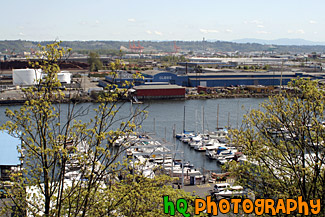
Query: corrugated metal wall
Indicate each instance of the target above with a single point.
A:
(160, 92)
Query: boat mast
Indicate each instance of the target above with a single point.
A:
(218, 117)
(154, 126)
(202, 113)
(202, 119)
(196, 122)
(184, 121)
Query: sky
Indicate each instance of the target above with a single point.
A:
(124, 20)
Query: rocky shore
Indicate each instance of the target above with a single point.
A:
(235, 95)
(187, 97)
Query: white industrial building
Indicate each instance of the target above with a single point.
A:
(64, 77)
(26, 76)
(32, 76)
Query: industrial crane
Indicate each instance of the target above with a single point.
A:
(135, 48)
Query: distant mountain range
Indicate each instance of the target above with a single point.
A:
(280, 41)
(106, 47)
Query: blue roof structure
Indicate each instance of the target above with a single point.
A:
(9, 155)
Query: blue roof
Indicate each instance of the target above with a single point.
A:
(8, 149)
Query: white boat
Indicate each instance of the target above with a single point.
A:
(221, 187)
(126, 140)
(185, 134)
(201, 138)
(196, 145)
(219, 134)
(76, 167)
(223, 159)
(221, 151)
(210, 145)
(187, 172)
(186, 139)
(232, 191)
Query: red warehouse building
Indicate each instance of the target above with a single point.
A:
(159, 92)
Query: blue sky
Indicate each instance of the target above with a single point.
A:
(162, 20)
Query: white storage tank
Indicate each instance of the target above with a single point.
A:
(64, 77)
(25, 76)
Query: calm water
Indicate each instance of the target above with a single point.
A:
(163, 115)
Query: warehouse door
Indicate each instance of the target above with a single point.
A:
(203, 83)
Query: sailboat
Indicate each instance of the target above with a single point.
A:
(185, 135)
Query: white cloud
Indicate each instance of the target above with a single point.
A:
(205, 31)
(132, 20)
(260, 26)
(262, 32)
(257, 22)
(228, 30)
(21, 34)
(149, 32)
(158, 33)
(300, 31)
(312, 22)
(315, 33)
(97, 22)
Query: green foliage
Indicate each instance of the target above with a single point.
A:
(284, 145)
(144, 196)
(94, 62)
(173, 59)
(117, 65)
(202, 92)
(53, 140)
(266, 67)
(110, 52)
(70, 166)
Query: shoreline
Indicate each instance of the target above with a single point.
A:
(220, 96)
(187, 97)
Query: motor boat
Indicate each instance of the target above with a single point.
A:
(231, 192)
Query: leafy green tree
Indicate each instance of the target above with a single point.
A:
(71, 167)
(172, 60)
(94, 62)
(266, 67)
(284, 145)
(144, 197)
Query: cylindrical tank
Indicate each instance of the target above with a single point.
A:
(25, 76)
(64, 77)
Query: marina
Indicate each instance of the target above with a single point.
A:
(164, 116)
(176, 141)
(130, 114)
